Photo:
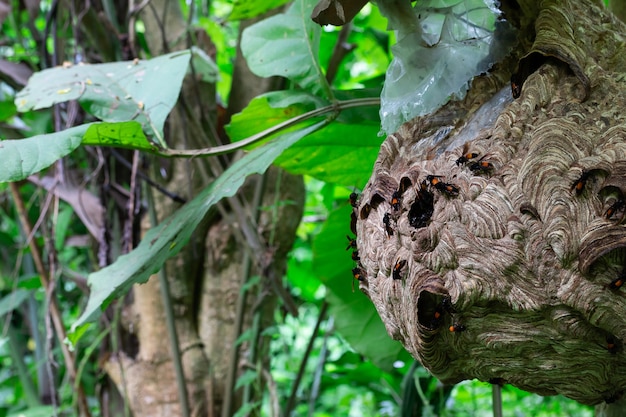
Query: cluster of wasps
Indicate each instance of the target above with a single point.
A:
(419, 213)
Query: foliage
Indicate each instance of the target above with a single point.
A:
(328, 131)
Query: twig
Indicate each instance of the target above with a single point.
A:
(342, 48)
(55, 312)
(296, 383)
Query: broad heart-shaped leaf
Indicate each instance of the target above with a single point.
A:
(120, 135)
(20, 158)
(245, 9)
(144, 91)
(167, 239)
(343, 152)
(286, 45)
(355, 316)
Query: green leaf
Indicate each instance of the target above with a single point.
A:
(247, 378)
(40, 411)
(113, 92)
(13, 300)
(287, 45)
(343, 152)
(127, 135)
(167, 239)
(245, 9)
(23, 157)
(340, 153)
(355, 316)
(270, 109)
(204, 66)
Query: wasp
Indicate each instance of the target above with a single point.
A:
(355, 256)
(449, 189)
(351, 243)
(612, 345)
(457, 328)
(481, 166)
(618, 282)
(397, 269)
(353, 199)
(396, 200)
(619, 205)
(579, 185)
(465, 155)
(422, 208)
(353, 222)
(516, 85)
(387, 223)
(357, 273)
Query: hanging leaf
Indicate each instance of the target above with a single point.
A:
(287, 45)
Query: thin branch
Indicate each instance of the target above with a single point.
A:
(220, 150)
(296, 383)
(55, 312)
(342, 48)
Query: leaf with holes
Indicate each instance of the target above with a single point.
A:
(145, 91)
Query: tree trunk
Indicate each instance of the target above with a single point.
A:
(506, 257)
(206, 278)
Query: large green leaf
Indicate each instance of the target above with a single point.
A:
(20, 158)
(245, 9)
(167, 239)
(287, 45)
(355, 316)
(343, 152)
(145, 91)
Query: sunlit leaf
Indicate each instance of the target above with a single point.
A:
(127, 135)
(168, 238)
(246, 9)
(343, 152)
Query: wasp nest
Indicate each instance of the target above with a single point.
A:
(496, 250)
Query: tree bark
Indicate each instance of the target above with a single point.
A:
(506, 257)
(206, 278)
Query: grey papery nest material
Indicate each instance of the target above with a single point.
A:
(500, 256)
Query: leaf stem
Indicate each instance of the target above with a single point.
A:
(334, 109)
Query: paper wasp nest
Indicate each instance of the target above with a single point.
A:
(494, 248)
